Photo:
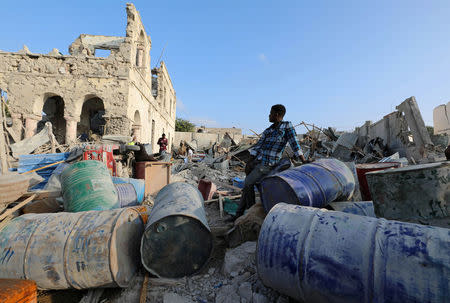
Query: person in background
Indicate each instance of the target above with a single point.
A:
(162, 142)
(266, 154)
(190, 153)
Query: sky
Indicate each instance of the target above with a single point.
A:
(331, 63)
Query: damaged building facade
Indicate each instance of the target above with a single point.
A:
(82, 94)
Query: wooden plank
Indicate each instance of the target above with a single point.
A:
(5, 221)
(143, 296)
(18, 206)
(221, 206)
(229, 197)
(43, 167)
(3, 156)
(13, 134)
(39, 195)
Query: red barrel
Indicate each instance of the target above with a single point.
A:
(362, 169)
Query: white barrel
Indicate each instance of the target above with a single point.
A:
(73, 250)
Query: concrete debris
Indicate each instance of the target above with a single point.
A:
(28, 145)
(259, 298)
(57, 110)
(171, 297)
(245, 291)
(227, 294)
(237, 259)
(247, 227)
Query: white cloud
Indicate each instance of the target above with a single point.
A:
(262, 57)
(181, 107)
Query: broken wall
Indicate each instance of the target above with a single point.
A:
(31, 79)
(403, 131)
(441, 119)
(122, 81)
(203, 140)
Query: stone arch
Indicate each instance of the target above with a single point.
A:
(136, 127)
(51, 109)
(91, 113)
(140, 50)
(137, 117)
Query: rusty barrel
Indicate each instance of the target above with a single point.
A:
(412, 192)
(138, 184)
(73, 250)
(315, 255)
(87, 185)
(315, 184)
(362, 169)
(177, 241)
(127, 194)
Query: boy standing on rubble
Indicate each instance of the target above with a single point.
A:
(266, 154)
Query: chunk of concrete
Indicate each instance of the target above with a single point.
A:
(259, 298)
(245, 291)
(227, 294)
(239, 258)
(171, 297)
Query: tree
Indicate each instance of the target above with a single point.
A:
(182, 125)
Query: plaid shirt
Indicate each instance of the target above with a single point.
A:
(272, 143)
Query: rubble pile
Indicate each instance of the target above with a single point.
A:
(167, 215)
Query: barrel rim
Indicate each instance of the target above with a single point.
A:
(377, 165)
(113, 232)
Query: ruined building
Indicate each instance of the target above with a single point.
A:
(83, 94)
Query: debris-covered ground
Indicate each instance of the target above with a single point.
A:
(218, 172)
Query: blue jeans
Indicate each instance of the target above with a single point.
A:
(248, 192)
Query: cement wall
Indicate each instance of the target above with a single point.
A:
(441, 119)
(402, 131)
(220, 131)
(203, 140)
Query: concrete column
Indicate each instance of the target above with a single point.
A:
(71, 129)
(31, 125)
(415, 122)
(17, 124)
(136, 130)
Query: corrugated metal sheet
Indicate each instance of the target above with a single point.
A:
(31, 162)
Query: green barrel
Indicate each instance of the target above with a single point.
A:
(87, 185)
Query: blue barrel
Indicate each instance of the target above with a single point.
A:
(362, 208)
(177, 241)
(315, 255)
(139, 186)
(315, 184)
(73, 250)
(127, 194)
(87, 185)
